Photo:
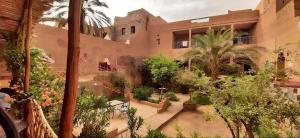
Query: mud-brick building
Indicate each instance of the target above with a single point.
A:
(273, 24)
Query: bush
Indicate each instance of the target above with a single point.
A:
(171, 96)
(267, 133)
(120, 98)
(229, 69)
(155, 134)
(185, 80)
(201, 99)
(185, 77)
(142, 93)
(93, 113)
(117, 80)
(134, 122)
(156, 101)
(162, 69)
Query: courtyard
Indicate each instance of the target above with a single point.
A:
(80, 68)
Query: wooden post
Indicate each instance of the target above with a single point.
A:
(231, 62)
(71, 87)
(190, 64)
(190, 38)
(27, 107)
(280, 66)
(232, 31)
(27, 46)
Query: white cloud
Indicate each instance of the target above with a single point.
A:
(173, 10)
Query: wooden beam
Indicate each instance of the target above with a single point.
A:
(71, 87)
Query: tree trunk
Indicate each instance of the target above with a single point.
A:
(214, 69)
(237, 129)
(249, 129)
(190, 64)
(71, 87)
(227, 122)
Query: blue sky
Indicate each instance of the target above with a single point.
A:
(173, 10)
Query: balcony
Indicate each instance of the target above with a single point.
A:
(244, 40)
(181, 44)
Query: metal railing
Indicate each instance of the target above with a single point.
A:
(181, 44)
(242, 40)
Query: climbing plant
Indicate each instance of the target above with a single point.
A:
(14, 57)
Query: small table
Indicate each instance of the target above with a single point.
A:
(115, 102)
(162, 91)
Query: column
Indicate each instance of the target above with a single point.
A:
(232, 30)
(190, 38)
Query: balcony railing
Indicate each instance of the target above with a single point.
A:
(243, 40)
(181, 44)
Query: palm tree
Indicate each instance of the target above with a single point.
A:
(215, 46)
(92, 19)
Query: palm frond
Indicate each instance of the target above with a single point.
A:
(93, 21)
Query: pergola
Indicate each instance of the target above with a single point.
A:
(13, 13)
(17, 16)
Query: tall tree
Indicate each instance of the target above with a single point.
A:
(92, 18)
(253, 102)
(215, 46)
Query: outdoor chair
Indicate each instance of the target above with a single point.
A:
(110, 110)
(124, 109)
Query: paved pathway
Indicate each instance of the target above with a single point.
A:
(155, 121)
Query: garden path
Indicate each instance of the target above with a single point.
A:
(155, 120)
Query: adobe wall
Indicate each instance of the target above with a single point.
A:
(93, 50)
(274, 29)
(279, 29)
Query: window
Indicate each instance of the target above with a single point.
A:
(281, 3)
(132, 29)
(158, 40)
(123, 31)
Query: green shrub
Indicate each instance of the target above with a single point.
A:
(134, 122)
(93, 113)
(120, 98)
(179, 131)
(208, 117)
(171, 96)
(267, 133)
(229, 69)
(155, 134)
(162, 69)
(117, 80)
(142, 93)
(201, 99)
(156, 101)
(195, 135)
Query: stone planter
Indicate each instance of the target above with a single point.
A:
(189, 106)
